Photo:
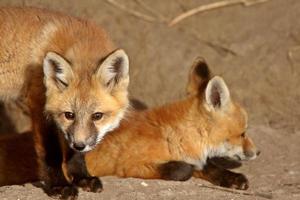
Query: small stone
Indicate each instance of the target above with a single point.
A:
(144, 184)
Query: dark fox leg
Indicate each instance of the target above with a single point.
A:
(51, 160)
(222, 177)
(176, 170)
(77, 168)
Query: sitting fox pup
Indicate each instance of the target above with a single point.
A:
(174, 141)
(72, 79)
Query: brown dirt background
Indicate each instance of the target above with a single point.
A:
(262, 69)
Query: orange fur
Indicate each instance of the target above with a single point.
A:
(56, 63)
(188, 130)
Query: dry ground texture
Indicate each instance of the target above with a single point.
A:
(256, 48)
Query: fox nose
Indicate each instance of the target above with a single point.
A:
(79, 146)
(257, 152)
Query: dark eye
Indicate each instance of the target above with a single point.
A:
(243, 135)
(69, 115)
(97, 116)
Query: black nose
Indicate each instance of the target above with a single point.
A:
(79, 146)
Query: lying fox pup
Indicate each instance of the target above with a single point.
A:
(174, 141)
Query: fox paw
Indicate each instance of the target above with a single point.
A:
(90, 184)
(64, 192)
(236, 181)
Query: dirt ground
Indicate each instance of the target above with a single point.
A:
(257, 51)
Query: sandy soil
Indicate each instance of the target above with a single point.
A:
(256, 49)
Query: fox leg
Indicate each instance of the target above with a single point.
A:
(50, 159)
(176, 170)
(222, 177)
(77, 170)
(50, 170)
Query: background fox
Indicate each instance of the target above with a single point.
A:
(174, 141)
(69, 75)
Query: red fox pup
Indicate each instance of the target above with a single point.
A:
(174, 141)
(72, 79)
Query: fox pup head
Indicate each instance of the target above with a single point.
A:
(86, 104)
(227, 131)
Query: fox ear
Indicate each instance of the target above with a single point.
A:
(114, 70)
(217, 95)
(198, 77)
(57, 70)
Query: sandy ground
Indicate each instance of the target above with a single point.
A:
(256, 49)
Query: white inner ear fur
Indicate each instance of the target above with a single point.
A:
(56, 67)
(114, 68)
(217, 95)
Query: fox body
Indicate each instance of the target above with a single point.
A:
(69, 75)
(176, 140)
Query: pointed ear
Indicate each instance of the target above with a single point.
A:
(114, 70)
(57, 70)
(217, 95)
(198, 76)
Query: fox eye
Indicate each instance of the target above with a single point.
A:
(69, 115)
(243, 135)
(97, 116)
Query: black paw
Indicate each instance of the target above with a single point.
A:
(69, 192)
(90, 184)
(236, 181)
